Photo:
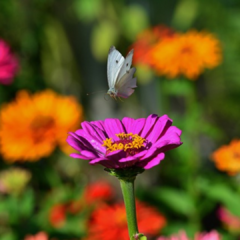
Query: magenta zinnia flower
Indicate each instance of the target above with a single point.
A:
(8, 64)
(127, 143)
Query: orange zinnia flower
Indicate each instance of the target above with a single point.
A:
(33, 125)
(146, 40)
(186, 54)
(227, 157)
(110, 222)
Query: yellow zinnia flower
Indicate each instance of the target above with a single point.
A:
(33, 125)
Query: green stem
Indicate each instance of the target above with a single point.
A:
(127, 186)
(127, 177)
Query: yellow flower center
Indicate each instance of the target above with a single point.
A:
(128, 142)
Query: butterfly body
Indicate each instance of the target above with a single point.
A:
(120, 74)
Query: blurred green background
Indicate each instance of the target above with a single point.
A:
(63, 45)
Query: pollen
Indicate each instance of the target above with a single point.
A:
(128, 142)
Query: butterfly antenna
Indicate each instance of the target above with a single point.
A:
(120, 99)
(88, 94)
(105, 97)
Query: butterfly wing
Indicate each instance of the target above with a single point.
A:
(125, 66)
(125, 86)
(114, 64)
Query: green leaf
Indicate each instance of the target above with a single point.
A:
(9, 236)
(179, 201)
(142, 238)
(134, 20)
(27, 203)
(104, 34)
(178, 87)
(185, 13)
(222, 193)
(87, 10)
(177, 226)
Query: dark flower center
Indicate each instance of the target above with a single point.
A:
(42, 126)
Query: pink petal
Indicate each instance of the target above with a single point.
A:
(169, 139)
(137, 156)
(149, 153)
(138, 126)
(88, 154)
(161, 124)
(89, 140)
(174, 129)
(93, 131)
(97, 160)
(103, 161)
(128, 122)
(154, 161)
(132, 125)
(99, 124)
(77, 155)
(73, 142)
(149, 125)
(113, 127)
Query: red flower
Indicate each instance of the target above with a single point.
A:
(57, 215)
(95, 192)
(98, 191)
(110, 222)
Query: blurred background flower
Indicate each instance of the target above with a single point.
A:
(110, 222)
(14, 180)
(213, 235)
(57, 215)
(229, 220)
(175, 54)
(8, 64)
(38, 236)
(93, 195)
(146, 40)
(227, 157)
(186, 54)
(33, 125)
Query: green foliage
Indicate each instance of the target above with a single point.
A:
(222, 193)
(177, 200)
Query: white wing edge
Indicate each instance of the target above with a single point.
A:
(126, 65)
(126, 85)
(114, 64)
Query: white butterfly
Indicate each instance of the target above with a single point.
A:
(119, 74)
